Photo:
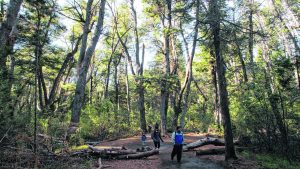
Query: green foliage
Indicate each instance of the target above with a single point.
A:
(271, 161)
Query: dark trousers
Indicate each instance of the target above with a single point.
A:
(177, 150)
(156, 144)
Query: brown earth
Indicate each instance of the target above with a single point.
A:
(163, 161)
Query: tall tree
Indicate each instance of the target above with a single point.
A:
(139, 65)
(185, 89)
(165, 17)
(81, 82)
(7, 40)
(215, 23)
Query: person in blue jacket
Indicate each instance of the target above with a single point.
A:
(143, 138)
(178, 140)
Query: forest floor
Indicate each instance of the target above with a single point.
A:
(163, 159)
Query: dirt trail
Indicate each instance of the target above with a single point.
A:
(189, 160)
(161, 161)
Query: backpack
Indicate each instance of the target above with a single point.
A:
(178, 138)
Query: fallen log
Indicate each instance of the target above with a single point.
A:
(203, 142)
(114, 151)
(138, 155)
(100, 148)
(211, 151)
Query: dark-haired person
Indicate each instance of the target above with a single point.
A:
(178, 140)
(156, 137)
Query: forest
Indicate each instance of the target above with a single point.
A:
(80, 75)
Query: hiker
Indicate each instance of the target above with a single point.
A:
(143, 138)
(156, 137)
(149, 128)
(156, 125)
(177, 139)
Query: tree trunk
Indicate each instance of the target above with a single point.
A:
(185, 90)
(239, 52)
(138, 155)
(222, 86)
(139, 71)
(62, 70)
(251, 40)
(107, 77)
(203, 142)
(185, 106)
(273, 97)
(7, 40)
(164, 85)
(85, 33)
(116, 85)
(127, 92)
(81, 83)
(217, 115)
(141, 93)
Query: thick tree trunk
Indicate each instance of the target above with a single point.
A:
(114, 153)
(45, 93)
(163, 109)
(7, 37)
(203, 142)
(41, 101)
(141, 91)
(211, 151)
(80, 86)
(185, 106)
(217, 115)
(7, 40)
(164, 85)
(62, 70)
(85, 33)
(222, 86)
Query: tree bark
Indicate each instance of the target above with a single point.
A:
(203, 142)
(217, 115)
(222, 86)
(85, 32)
(211, 151)
(7, 40)
(138, 155)
(107, 77)
(251, 39)
(58, 78)
(127, 92)
(81, 83)
(239, 52)
(139, 71)
(185, 89)
(164, 96)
